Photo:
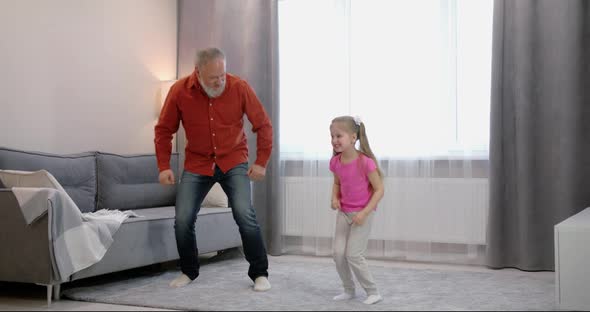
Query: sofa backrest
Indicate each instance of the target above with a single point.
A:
(131, 182)
(75, 172)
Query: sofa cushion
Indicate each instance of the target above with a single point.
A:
(150, 239)
(216, 198)
(158, 213)
(75, 172)
(131, 182)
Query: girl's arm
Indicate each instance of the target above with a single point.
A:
(378, 191)
(336, 193)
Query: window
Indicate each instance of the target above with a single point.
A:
(416, 71)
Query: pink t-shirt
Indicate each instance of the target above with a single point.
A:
(355, 188)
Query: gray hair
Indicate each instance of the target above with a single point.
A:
(204, 56)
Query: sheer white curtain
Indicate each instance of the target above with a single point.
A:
(418, 73)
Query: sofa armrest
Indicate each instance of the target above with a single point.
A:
(25, 250)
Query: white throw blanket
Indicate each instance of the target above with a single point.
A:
(79, 240)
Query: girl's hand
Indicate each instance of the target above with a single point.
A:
(336, 204)
(359, 218)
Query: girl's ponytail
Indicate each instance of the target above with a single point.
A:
(365, 148)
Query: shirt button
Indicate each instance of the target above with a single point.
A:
(210, 104)
(214, 147)
(211, 118)
(213, 134)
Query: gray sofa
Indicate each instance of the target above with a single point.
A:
(97, 180)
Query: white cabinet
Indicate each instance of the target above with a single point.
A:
(572, 262)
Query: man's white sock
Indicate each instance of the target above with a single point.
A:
(180, 281)
(261, 284)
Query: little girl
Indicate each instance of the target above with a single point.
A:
(357, 190)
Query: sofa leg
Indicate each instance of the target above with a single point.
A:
(237, 250)
(49, 293)
(227, 254)
(56, 292)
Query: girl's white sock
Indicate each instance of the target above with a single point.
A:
(344, 296)
(372, 299)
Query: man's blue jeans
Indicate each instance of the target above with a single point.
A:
(191, 191)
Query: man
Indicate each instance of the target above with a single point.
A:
(211, 105)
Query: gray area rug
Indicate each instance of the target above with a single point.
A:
(311, 284)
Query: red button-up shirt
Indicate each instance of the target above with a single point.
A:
(214, 127)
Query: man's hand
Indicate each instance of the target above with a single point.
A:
(166, 177)
(256, 172)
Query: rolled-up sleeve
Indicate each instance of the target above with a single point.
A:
(261, 124)
(167, 125)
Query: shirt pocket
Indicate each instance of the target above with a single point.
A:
(194, 111)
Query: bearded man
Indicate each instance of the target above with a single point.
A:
(211, 104)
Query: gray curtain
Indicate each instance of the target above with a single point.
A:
(247, 31)
(540, 127)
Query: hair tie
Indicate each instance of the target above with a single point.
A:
(357, 120)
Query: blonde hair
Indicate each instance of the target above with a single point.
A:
(361, 134)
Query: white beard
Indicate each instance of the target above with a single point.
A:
(213, 93)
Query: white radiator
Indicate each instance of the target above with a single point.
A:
(444, 210)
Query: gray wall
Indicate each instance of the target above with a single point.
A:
(81, 75)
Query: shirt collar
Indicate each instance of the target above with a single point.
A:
(193, 81)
